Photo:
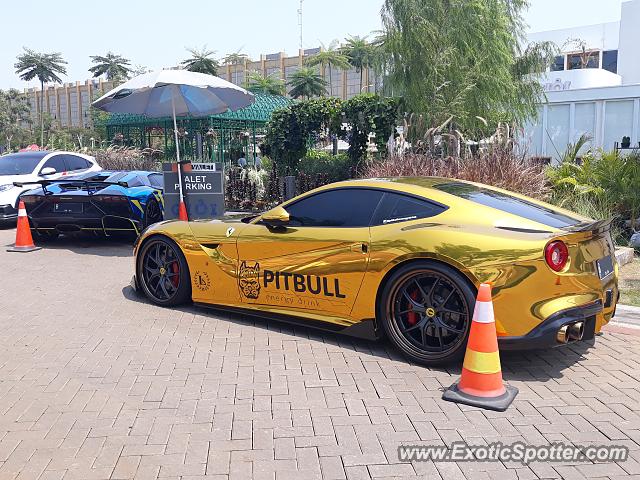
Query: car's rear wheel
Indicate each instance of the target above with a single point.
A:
(152, 213)
(425, 309)
(163, 272)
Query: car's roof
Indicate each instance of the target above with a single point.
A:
(39, 154)
(421, 186)
(109, 173)
(451, 192)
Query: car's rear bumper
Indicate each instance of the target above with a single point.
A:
(106, 225)
(8, 212)
(545, 334)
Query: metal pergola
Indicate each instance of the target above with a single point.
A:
(219, 138)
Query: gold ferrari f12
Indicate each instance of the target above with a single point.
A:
(400, 257)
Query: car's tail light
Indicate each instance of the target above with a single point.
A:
(556, 254)
(30, 199)
(117, 205)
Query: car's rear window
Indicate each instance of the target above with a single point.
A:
(507, 203)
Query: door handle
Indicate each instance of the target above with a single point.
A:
(360, 248)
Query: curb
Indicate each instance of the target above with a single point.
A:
(624, 255)
(627, 320)
(628, 309)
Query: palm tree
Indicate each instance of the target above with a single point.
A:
(113, 67)
(329, 57)
(379, 58)
(271, 84)
(45, 67)
(235, 59)
(201, 61)
(360, 54)
(307, 83)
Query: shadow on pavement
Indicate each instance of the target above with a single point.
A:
(381, 348)
(535, 365)
(85, 245)
(543, 365)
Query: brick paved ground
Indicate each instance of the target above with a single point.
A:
(97, 384)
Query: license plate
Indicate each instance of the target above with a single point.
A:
(67, 207)
(605, 267)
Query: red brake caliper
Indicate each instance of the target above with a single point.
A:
(412, 317)
(175, 269)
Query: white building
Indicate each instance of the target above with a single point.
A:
(592, 88)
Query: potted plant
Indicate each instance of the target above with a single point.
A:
(626, 142)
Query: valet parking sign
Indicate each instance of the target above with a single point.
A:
(203, 191)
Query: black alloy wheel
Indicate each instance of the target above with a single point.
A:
(163, 272)
(426, 310)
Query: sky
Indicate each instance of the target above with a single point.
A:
(155, 35)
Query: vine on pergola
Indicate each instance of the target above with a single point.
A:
(293, 130)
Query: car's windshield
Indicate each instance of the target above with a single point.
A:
(19, 163)
(507, 203)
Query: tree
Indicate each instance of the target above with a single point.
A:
(139, 70)
(270, 84)
(45, 67)
(307, 83)
(586, 54)
(290, 129)
(235, 59)
(114, 67)
(201, 61)
(14, 111)
(360, 54)
(463, 60)
(379, 62)
(330, 57)
(368, 114)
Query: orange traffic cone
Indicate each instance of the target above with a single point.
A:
(24, 241)
(182, 211)
(481, 384)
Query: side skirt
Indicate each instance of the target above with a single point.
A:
(366, 329)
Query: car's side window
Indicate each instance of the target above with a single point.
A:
(156, 180)
(396, 207)
(344, 207)
(76, 163)
(57, 162)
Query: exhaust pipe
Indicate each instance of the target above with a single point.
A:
(563, 334)
(576, 331)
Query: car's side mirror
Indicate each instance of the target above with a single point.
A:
(47, 171)
(276, 217)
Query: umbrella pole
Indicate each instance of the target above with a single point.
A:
(182, 209)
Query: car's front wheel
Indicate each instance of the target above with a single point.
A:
(425, 309)
(163, 272)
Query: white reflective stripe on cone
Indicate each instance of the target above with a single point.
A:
(483, 312)
(22, 212)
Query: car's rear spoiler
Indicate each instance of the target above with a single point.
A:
(44, 183)
(599, 226)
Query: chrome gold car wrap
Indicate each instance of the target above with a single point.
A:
(335, 275)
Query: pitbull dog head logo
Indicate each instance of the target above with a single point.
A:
(249, 280)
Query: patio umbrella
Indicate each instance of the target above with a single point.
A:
(175, 93)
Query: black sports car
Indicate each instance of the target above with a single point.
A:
(104, 203)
